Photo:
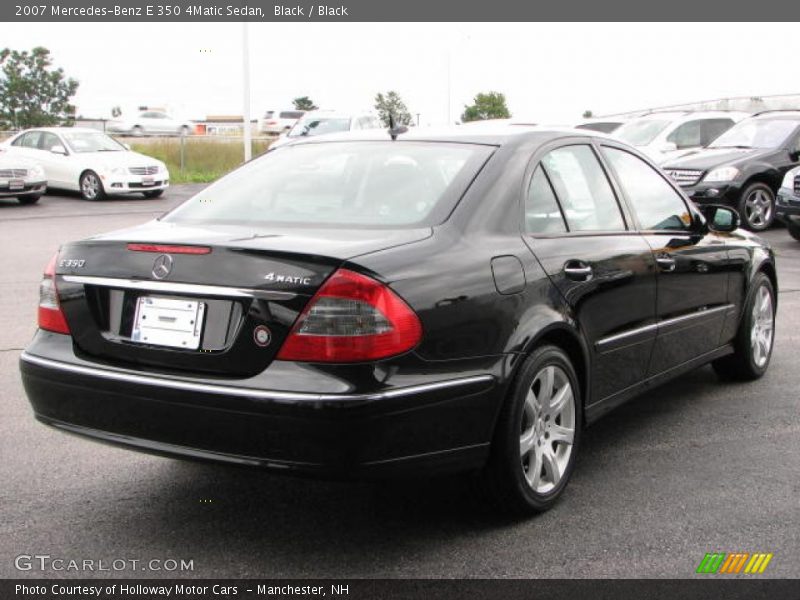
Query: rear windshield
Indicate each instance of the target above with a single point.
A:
(291, 114)
(756, 133)
(319, 126)
(642, 132)
(367, 184)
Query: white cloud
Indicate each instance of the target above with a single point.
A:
(549, 72)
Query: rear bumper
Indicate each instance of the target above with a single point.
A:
(438, 426)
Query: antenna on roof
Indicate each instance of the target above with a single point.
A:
(394, 129)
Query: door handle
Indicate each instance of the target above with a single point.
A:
(665, 262)
(577, 270)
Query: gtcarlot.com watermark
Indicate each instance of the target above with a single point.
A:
(46, 562)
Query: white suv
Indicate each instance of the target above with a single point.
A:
(279, 121)
(667, 135)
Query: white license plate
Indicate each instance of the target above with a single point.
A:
(148, 181)
(172, 322)
(16, 184)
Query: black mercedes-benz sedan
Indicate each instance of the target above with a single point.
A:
(404, 304)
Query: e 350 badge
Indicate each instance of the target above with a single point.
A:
(71, 263)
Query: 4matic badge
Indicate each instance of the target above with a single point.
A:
(287, 279)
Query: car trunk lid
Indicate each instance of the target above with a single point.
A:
(219, 301)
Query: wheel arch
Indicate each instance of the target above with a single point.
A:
(84, 172)
(768, 176)
(768, 268)
(566, 337)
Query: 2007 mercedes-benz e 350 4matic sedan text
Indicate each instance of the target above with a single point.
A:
(368, 306)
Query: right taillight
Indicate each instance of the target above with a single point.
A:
(51, 316)
(352, 318)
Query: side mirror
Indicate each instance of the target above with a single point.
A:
(668, 147)
(723, 219)
(58, 149)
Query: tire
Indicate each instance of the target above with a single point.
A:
(756, 336)
(757, 207)
(794, 231)
(153, 193)
(525, 435)
(91, 186)
(28, 199)
(137, 131)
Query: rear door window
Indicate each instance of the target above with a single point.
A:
(583, 189)
(31, 139)
(713, 128)
(542, 213)
(688, 135)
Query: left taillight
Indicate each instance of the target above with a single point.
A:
(51, 317)
(352, 318)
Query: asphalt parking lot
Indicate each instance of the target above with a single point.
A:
(696, 466)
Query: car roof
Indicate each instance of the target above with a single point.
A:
(497, 136)
(337, 114)
(60, 129)
(785, 115)
(690, 115)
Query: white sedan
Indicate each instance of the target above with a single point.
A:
(89, 161)
(21, 178)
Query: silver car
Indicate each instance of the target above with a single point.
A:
(149, 122)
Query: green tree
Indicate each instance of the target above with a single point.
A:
(587, 114)
(304, 103)
(392, 104)
(489, 105)
(32, 92)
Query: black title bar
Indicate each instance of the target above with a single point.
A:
(393, 11)
(707, 588)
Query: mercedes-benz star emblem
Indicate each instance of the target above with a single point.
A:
(162, 266)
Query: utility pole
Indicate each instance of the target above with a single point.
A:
(248, 147)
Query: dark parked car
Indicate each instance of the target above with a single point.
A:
(788, 203)
(743, 168)
(362, 307)
(601, 125)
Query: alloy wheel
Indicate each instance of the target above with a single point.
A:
(762, 332)
(758, 208)
(90, 186)
(547, 429)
